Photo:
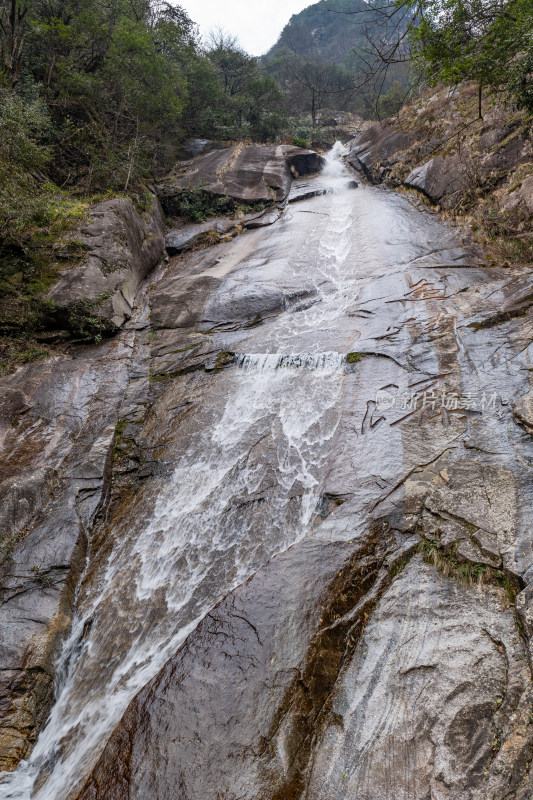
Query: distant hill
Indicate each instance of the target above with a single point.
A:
(323, 32)
(325, 48)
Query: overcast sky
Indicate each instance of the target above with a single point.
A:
(256, 23)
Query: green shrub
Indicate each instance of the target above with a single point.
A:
(25, 128)
(197, 205)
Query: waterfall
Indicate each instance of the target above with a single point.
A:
(218, 516)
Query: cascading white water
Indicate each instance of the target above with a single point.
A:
(328, 248)
(199, 543)
(316, 362)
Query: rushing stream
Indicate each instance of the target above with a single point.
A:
(253, 459)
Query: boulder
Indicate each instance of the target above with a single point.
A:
(377, 144)
(249, 173)
(182, 239)
(302, 162)
(263, 219)
(122, 248)
(306, 191)
(442, 179)
(382, 146)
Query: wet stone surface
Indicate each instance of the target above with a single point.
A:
(308, 536)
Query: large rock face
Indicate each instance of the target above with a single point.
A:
(439, 147)
(442, 179)
(416, 707)
(123, 247)
(288, 509)
(420, 711)
(57, 426)
(377, 144)
(380, 153)
(268, 688)
(250, 173)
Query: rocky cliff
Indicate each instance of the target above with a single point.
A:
(324, 31)
(478, 171)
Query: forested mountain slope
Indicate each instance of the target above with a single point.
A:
(325, 56)
(325, 30)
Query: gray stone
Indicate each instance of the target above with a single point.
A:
(523, 411)
(251, 173)
(376, 144)
(255, 617)
(306, 191)
(54, 476)
(417, 711)
(482, 497)
(301, 161)
(123, 247)
(521, 196)
(443, 180)
(180, 239)
(263, 679)
(263, 219)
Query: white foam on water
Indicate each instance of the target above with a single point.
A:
(266, 362)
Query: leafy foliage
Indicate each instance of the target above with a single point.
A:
(28, 201)
(125, 81)
(251, 102)
(197, 205)
(490, 42)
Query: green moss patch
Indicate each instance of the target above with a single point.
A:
(355, 358)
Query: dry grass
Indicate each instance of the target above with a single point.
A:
(480, 576)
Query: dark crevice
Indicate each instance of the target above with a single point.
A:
(500, 318)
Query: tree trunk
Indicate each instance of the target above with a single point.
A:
(12, 35)
(51, 69)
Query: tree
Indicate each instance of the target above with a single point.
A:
(125, 81)
(235, 68)
(13, 28)
(114, 78)
(487, 41)
(392, 101)
(252, 103)
(321, 82)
